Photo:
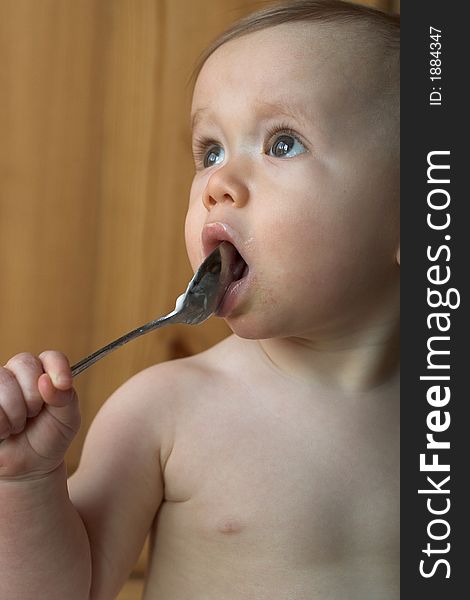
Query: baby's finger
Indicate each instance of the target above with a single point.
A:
(57, 366)
(5, 425)
(51, 395)
(27, 370)
(12, 405)
(54, 397)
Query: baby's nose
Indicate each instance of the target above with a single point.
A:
(225, 186)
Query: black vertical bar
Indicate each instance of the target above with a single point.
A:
(432, 121)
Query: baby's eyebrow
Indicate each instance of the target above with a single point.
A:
(284, 108)
(197, 116)
(263, 110)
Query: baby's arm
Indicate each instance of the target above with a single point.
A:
(80, 547)
(118, 487)
(44, 550)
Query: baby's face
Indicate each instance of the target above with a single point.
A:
(294, 166)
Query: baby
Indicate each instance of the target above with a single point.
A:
(267, 467)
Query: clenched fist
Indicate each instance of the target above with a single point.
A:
(39, 414)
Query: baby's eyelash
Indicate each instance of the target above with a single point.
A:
(202, 144)
(283, 128)
(200, 147)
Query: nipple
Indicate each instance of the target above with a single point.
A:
(229, 526)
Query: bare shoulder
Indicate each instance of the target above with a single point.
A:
(219, 363)
(141, 421)
(163, 387)
(149, 404)
(179, 391)
(229, 358)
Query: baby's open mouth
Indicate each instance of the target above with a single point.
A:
(234, 271)
(235, 268)
(238, 266)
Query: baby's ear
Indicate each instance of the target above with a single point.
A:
(398, 256)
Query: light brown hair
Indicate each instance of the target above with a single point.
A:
(386, 26)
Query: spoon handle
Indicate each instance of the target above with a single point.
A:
(96, 356)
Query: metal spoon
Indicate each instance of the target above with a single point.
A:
(200, 300)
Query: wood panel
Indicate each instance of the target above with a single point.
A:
(132, 590)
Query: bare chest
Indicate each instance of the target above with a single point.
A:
(285, 473)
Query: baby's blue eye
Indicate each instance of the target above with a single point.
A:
(286, 146)
(214, 156)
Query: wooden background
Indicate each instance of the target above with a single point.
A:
(95, 170)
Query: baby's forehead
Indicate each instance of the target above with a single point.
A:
(294, 63)
(330, 53)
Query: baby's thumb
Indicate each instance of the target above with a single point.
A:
(61, 404)
(59, 395)
(55, 385)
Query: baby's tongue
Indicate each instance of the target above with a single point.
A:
(233, 261)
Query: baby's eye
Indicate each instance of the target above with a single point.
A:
(207, 153)
(286, 145)
(213, 156)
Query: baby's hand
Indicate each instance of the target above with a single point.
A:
(39, 414)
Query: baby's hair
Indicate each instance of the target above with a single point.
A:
(387, 26)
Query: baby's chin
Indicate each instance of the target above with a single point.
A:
(257, 325)
(261, 314)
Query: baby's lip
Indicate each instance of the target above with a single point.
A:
(214, 233)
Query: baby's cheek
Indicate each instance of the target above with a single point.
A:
(192, 233)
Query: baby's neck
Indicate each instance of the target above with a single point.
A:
(351, 364)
